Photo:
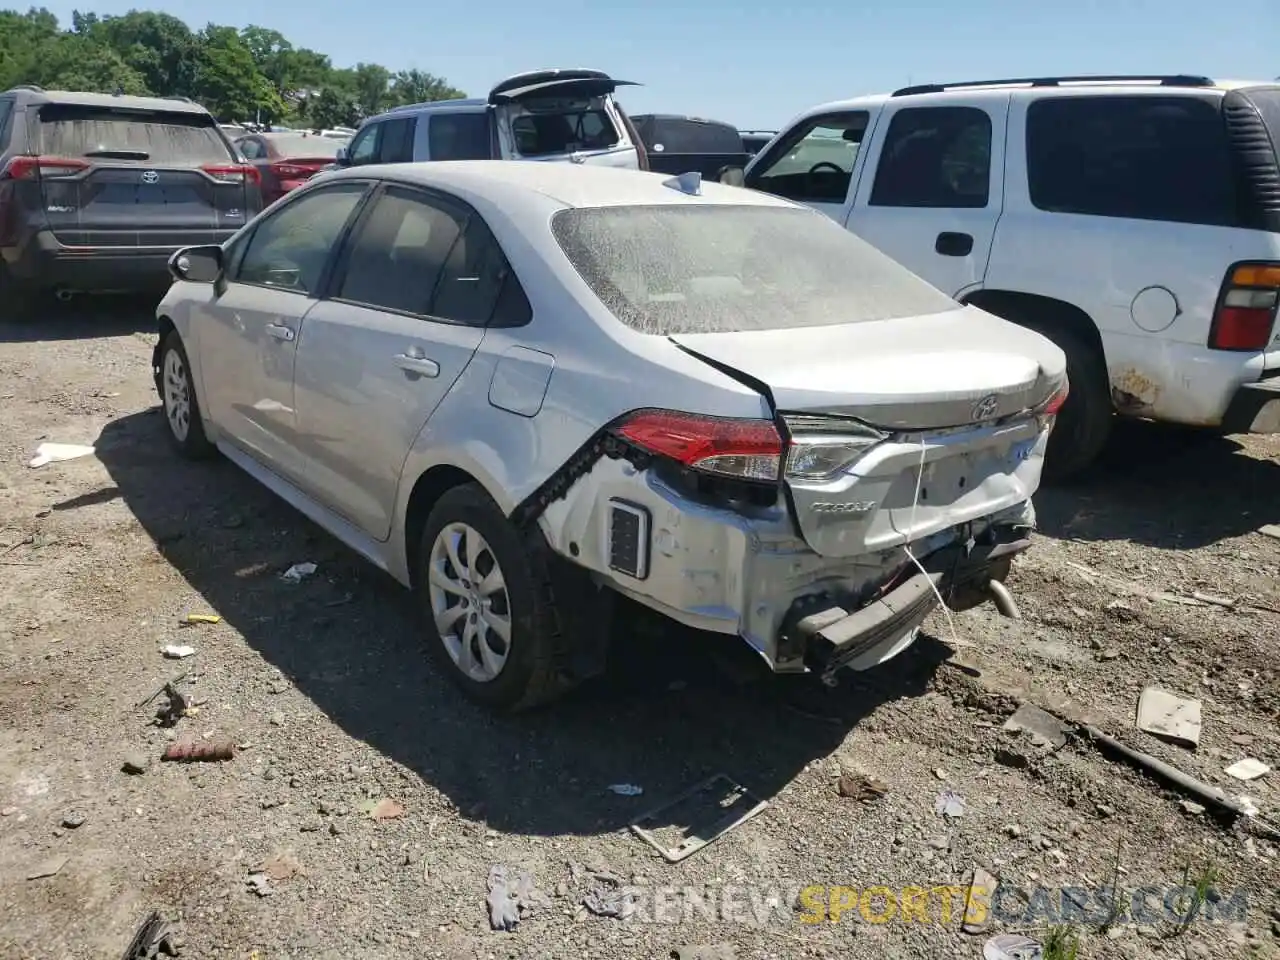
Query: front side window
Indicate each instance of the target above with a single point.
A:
(673, 269)
(290, 248)
(459, 136)
(935, 157)
(364, 148)
(1143, 158)
(814, 162)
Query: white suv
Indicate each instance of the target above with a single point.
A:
(1135, 221)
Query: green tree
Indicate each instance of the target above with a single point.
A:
(418, 86)
(332, 108)
(228, 81)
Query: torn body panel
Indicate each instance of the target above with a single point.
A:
(735, 569)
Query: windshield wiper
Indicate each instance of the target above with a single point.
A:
(119, 154)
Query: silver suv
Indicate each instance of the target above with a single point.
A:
(561, 115)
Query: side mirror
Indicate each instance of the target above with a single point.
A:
(340, 159)
(732, 176)
(201, 264)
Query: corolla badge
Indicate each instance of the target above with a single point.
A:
(851, 508)
(150, 176)
(987, 407)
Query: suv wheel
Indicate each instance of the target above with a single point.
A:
(1084, 423)
(490, 619)
(17, 300)
(178, 397)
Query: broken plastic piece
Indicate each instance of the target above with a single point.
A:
(1046, 730)
(197, 752)
(1169, 717)
(194, 618)
(1247, 769)
(54, 452)
(1011, 946)
(176, 652)
(298, 572)
(733, 805)
(949, 804)
(511, 897)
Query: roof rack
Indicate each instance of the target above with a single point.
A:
(1173, 80)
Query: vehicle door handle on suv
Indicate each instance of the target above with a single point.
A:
(413, 362)
(953, 244)
(280, 332)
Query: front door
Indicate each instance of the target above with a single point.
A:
(933, 189)
(248, 335)
(815, 162)
(414, 290)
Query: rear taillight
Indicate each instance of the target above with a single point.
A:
(1246, 310)
(292, 171)
(1047, 413)
(49, 168)
(233, 173)
(740, 449)
(822, 447)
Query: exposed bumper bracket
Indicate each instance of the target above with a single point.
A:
(1255, 408)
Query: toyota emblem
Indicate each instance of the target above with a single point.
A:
(150, 176)
(987, 407)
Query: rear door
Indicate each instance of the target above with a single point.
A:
(934, 188)
(139, 177)
(413, 292)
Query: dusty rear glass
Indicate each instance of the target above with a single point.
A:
(684, 135)
(153, 136)
(305, 147)
(709, 269)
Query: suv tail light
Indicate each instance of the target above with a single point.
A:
(738, 449)
(293, 171)
(1246, 310)
(1047, 413)
(34, 168)
(232, 173)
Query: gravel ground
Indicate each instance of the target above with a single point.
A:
(325, 687)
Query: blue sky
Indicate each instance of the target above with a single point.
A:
(754, 64)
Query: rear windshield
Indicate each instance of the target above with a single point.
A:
(685, 135)
(305, 148)
(710, 269)
(153, 136)
(563, 128)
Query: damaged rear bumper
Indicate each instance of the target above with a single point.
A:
(833, 637)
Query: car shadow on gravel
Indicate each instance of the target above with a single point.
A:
(675, 707)
(1164, 486)
(84, 317)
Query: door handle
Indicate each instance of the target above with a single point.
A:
(953, 244)
(280, 332)
(419, 366)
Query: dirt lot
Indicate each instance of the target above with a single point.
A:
(325, 685)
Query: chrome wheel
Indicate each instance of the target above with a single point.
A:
(469, 602)
(177, 395)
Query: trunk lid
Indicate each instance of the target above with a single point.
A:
(136, 177)
(942, 403)
(563, 116)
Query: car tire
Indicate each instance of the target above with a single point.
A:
(499, 577)
(179, 402)
(18, 301)
(1084, 423)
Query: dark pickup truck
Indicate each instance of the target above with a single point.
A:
(677, 144)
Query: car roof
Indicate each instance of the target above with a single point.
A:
(465, 105)
(569, 184)
(1023, 89)
(79, 98)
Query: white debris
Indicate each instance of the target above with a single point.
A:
(626, 789)
(175, 652)
(1247, 769)
(1169, 717)
(51, 452)
(298, 572)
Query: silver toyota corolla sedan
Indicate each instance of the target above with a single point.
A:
(525, 390)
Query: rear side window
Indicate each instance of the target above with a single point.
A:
(6, 108)
(397, 141)
(154, 136)
(563, 128)
(1140, 158)
(459, 136)
(935, 157)
(687, 135)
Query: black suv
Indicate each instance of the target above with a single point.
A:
(679, 144)
(97, 191)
